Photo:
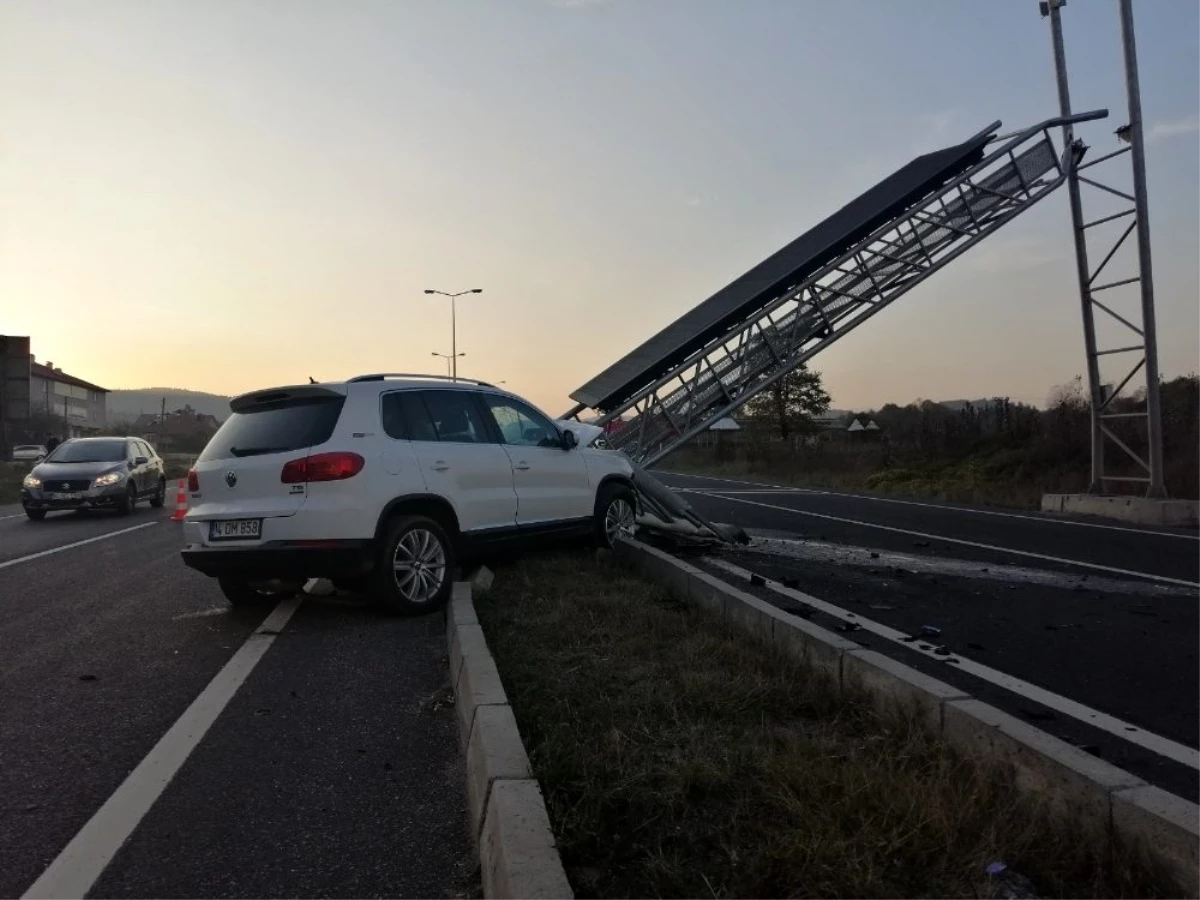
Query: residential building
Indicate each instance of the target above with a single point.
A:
(81, 407)
(183, 429)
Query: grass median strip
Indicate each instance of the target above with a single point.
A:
(680, 758)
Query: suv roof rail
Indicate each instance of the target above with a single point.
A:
(382, 376)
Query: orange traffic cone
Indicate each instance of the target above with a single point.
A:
(180, 502)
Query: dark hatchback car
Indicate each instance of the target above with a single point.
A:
(95, 473)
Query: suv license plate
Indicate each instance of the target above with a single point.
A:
(69, 495)
(235, 529)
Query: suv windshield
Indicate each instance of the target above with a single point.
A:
(88, 452)
(277, 428)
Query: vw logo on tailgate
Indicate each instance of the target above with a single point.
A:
(231, 478)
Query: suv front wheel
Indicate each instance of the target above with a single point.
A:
(415, 566)
(616, 513)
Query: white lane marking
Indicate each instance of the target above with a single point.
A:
(1150, 741)
(949, 540)
(211, 611)
(91, 540)
(19, 515)
(84, 859)
(978, 512)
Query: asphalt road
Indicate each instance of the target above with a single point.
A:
(1101, 616)
(332, 770)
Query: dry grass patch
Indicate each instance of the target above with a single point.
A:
(680, 759)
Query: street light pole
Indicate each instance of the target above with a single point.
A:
(454, 354)
(450, 360)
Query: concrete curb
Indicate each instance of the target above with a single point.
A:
(1138, 510)
(517, 853)
(1113, 803)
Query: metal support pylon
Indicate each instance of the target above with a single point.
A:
(1104, 471)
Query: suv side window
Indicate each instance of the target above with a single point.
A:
(404, 417)
(520, 425)
(392, 415)
(456, 418)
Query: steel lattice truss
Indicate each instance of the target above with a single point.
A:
(1103, 395)
(810, 316)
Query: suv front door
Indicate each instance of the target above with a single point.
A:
(458, 458)
(552, 484)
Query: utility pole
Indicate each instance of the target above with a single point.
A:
(162, 424)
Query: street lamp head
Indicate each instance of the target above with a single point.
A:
(428, 291)
(476, 290)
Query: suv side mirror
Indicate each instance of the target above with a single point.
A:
(569, 441)
(140, 461)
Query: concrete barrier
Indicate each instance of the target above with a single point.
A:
(1110, 802)
(517, 853)
(1138, 510)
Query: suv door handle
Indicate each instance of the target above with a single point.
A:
(521, 466)
(439, 466)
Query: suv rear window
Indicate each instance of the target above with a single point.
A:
(275, 428)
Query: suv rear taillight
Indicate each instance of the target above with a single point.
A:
(193, 481)
(322, 467)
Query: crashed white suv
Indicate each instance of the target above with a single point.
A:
(382, 482)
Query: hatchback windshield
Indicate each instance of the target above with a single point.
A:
(88, 451)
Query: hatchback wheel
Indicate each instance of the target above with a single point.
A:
(36, 514)
(413, 571)
(128, 503)
(616, 515)
(160, 495)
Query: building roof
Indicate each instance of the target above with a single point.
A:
(40, 371)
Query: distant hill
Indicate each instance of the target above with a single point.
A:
(131, 404)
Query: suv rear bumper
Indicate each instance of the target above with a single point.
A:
(280, 559)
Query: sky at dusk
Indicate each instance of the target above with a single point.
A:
(232, 194)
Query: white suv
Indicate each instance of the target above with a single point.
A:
(383, 482)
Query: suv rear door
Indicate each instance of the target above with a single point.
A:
(240, 471)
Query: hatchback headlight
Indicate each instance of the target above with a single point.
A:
(110, 478)
(32, 481)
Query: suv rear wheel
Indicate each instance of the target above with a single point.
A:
(615, 516)
(414, 568)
